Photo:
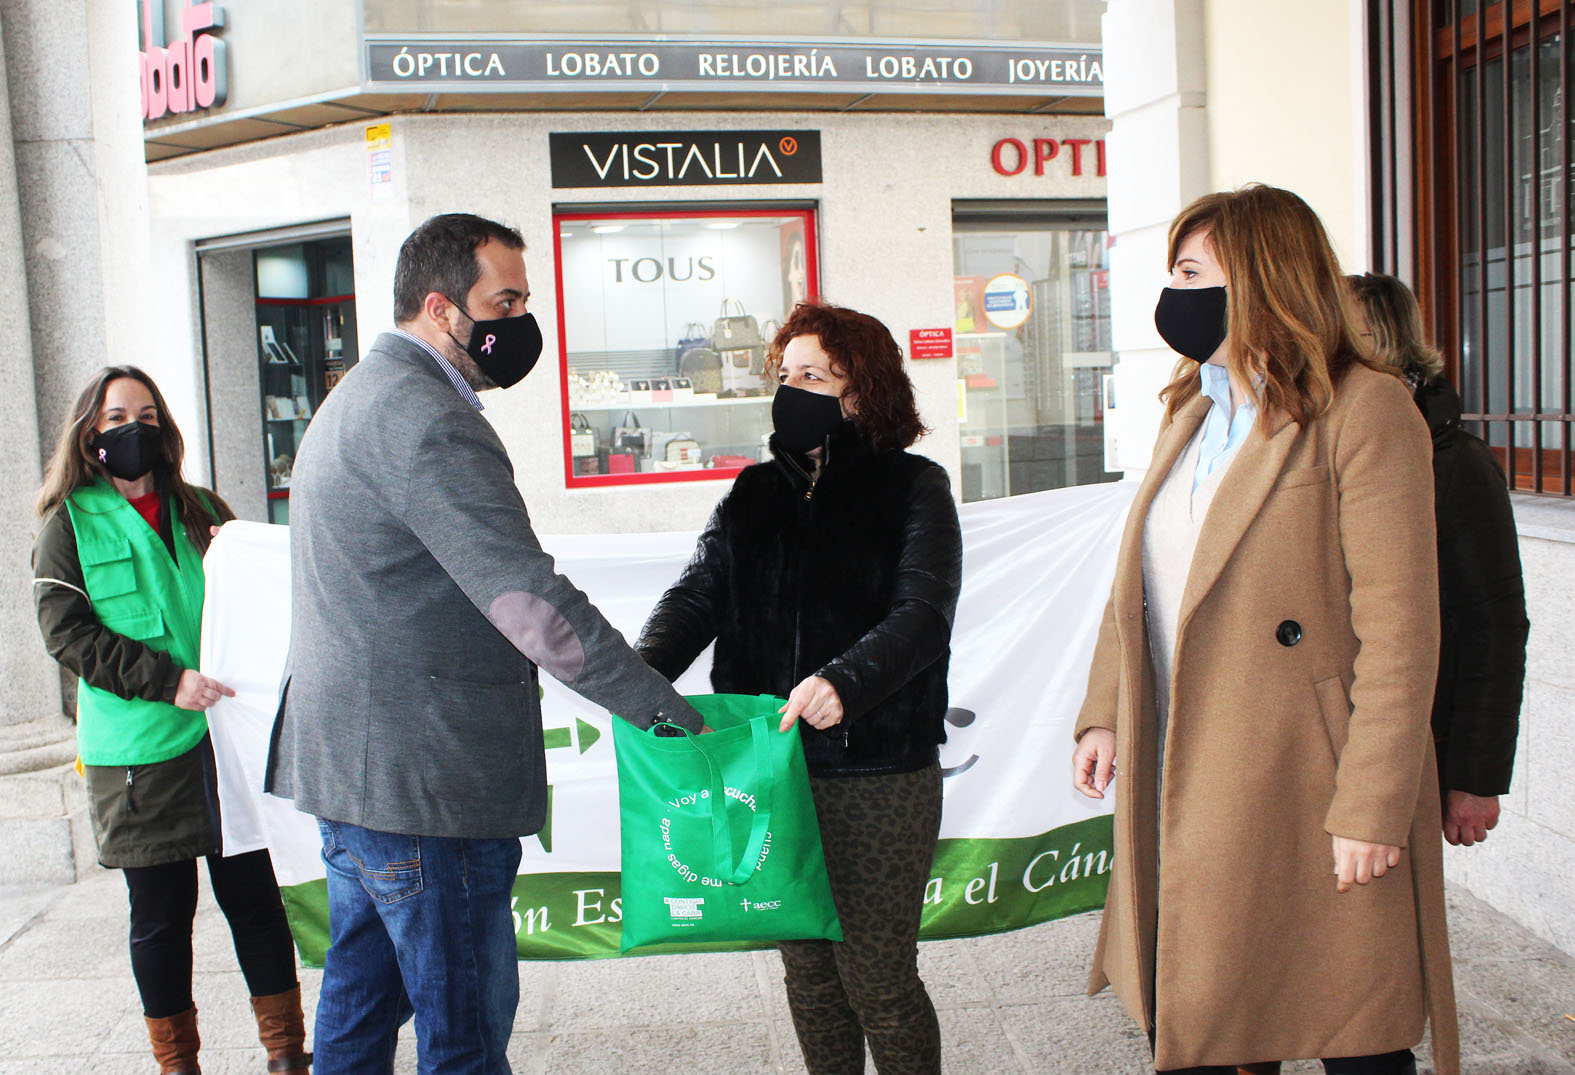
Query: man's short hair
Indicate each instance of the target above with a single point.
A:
(440, 256)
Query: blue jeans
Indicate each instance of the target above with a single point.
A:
(418, 925)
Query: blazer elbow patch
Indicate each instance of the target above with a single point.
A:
(540, 632)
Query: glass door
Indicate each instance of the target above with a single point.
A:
(1032, 325)
(306, 339)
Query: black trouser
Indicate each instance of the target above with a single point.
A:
(163, 903)
(1396, 1063)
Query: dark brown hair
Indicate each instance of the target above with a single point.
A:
(861, 349)
(440, 256)
(72, 466)
(1395, 321)
(1289, 319)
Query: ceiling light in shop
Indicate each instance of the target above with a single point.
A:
(607, 229)
(722, 225)
(565, 235)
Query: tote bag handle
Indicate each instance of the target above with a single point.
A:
(737, 871)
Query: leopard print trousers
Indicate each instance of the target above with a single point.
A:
(879, 834)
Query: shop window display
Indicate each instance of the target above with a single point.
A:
(1032, 325)
(306, 340)
(663, 328)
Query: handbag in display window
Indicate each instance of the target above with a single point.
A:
(703, 367)
(672, 451)
(736, 339)
(730, 462)
(582, 438)
(734, 328)
(629, 435)
(694, 336)
(683, 452)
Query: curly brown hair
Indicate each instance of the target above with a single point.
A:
(863, 350)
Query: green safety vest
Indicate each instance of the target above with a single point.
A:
(136, 591)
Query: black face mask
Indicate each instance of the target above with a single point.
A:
(1192, 320)
(804, 419)
(129, 451)
(505, 349)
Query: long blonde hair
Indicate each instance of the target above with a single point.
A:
(72, 466)
(1395, 320)
(1289, 318)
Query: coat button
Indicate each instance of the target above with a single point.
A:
(1288, 633)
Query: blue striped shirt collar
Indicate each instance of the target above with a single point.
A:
(455, 378)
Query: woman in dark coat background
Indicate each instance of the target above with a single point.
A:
(829, 576)
(1482, 656)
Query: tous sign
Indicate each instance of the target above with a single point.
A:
(189, 73)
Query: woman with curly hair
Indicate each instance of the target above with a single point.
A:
(829, 576)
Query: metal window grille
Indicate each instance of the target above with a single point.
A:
(1482, 223)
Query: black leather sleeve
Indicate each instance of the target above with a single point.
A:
(1484, 608)
(918, 628)
(685, 621)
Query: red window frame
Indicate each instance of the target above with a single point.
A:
(580, 216)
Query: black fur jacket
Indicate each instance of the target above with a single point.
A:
(852, 577)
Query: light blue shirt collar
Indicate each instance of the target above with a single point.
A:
(455, 378)
(1223, 432)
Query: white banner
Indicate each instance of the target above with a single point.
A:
(1036, 574)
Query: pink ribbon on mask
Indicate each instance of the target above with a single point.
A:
(103, 456)
(486, 348)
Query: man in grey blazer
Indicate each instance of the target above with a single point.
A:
(422, 606)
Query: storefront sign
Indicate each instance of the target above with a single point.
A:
(380, 160)
(684, 158)
(483, 63)
(188, 73)
(1007, 300)
(929, 343)
(1012, 156)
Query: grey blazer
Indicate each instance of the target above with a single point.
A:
(421, 605)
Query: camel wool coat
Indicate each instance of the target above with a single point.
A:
(1306, 654)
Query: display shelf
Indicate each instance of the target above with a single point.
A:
(674, 405)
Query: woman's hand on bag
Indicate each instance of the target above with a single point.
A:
(1094, 762)
(197, 691)
(1358, 862)
(816, 701)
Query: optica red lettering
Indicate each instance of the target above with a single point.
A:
(1045, 149)
(998, 157)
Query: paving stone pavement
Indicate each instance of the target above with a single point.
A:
(1009, 1003)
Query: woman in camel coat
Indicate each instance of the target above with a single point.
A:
(1264, 675)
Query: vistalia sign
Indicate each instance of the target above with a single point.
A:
(188, 72)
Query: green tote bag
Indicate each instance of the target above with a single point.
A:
(720, 840)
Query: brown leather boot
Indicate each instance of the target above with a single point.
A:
(175, 1043)
(282, 1031)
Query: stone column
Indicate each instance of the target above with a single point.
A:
(1158, 147)
(73, 226)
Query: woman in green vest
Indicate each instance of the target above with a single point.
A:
(118, 584)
